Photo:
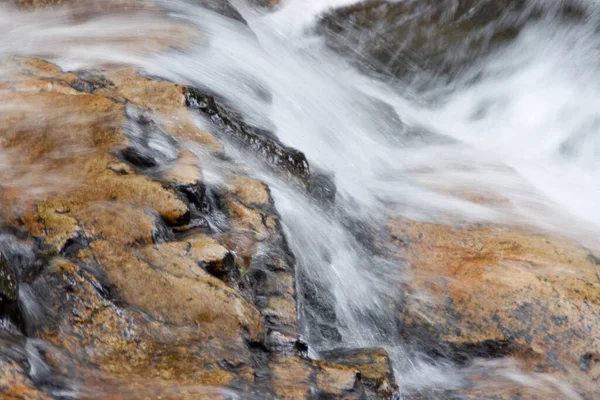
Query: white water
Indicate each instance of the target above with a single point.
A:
(538, 94)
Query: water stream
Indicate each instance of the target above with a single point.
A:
(520, 123)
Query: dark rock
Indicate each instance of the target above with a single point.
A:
(150, 145)
(206, 208)
(82, 86)
(588, 360)
(91, 80)
(222, 7)
(317, 311)
(161, 232)
(404, 38)
(322, 188)
(223, 269)
(9, 307)
(261, 143)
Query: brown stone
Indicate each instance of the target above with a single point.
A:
(127, 307)
(336, 379)
(538, 294)
(373, 364)
(184, 171)
(171, 287)
(290, 378)
(250, 191)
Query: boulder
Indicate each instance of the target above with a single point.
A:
(486, 291)
(115, 294)
(403, 38)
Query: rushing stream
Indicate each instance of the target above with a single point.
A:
(518, 122)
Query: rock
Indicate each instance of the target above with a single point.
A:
(264, 3)
(114, 293)
(184, 171)
(373, 364)
(9, 306)
(290, 378)
(294, 378)
(15, 382)
(111, 5)
(440, 37)
(493, 291)
(175, 289)
(250, 191)
(149, 145)
(260, 142)
(222, 7)
(336, 379)
(322, 188)
(207, 209)
(130, 350)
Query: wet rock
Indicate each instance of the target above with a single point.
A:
(293, 378)
(9, 306)
(492, 291)
(119, 348)
(206, 208)
(149, 146)
(222, 7)
(263, 256)
(214, 258)
(318, 311)
(111, 5)
(264, 3)
(251, 191)
(262, 144)
(440, 37)
(337, 380)
(15, 382)
(322, 188)
(290, 378)
(183, 171)
(91, 80)
(114, 301)
(373, 364)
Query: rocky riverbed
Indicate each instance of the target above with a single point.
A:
(140, 260)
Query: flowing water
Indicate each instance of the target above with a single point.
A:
(520, 123)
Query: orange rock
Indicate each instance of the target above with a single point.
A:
(472, 284)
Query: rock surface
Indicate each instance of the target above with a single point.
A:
(401, 38)
(494, 291)
(126, 272)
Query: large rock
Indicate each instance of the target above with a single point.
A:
(86, 8)
(494, 291)
(126, 272)
(121, 296)
(403, 38)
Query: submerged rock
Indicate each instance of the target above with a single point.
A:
(222, 7)
(403, 38)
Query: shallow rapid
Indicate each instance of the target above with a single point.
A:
(510, 137)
